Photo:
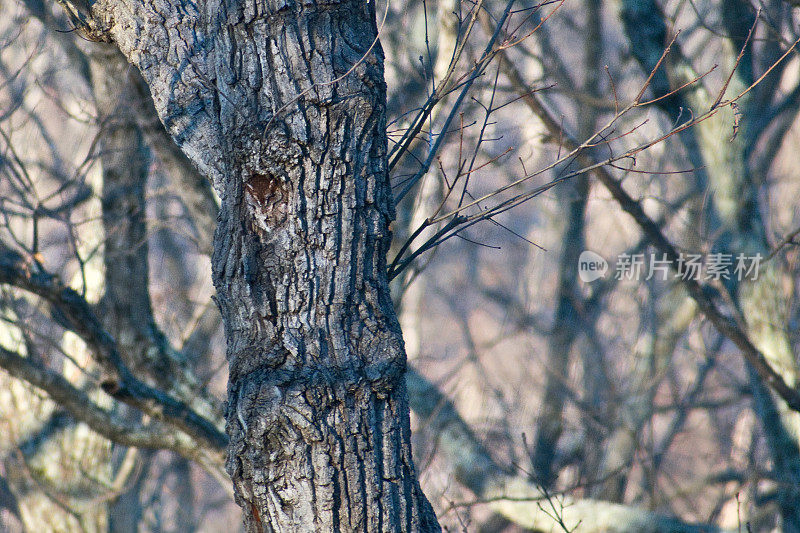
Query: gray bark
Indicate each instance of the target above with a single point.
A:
(317, 414)
(283, 107)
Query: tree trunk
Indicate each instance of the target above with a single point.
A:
(283, 106)
(317, 412)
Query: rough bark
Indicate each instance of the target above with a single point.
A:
(475, 469)
(317, 413)
(283, 107)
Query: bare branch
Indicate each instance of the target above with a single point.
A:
(118, 382)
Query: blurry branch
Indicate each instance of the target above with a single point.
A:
(684, 407)
(788, 240)
(126, 305)
(22, 200)
(775, 21)
(449, 50)
(73, 312)
(66, 41)
(84, 409)
(646, 30)
(770, 129)
(195, 190)
(567, 325)
(757, 304)
(181, 411)
(673, 314)
(724, 324)
(489, 54)
(513, 495)
(411, 133)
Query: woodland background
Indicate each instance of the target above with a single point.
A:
(536, 397)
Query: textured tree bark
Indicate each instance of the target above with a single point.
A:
(317, 412)
(283, 106)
